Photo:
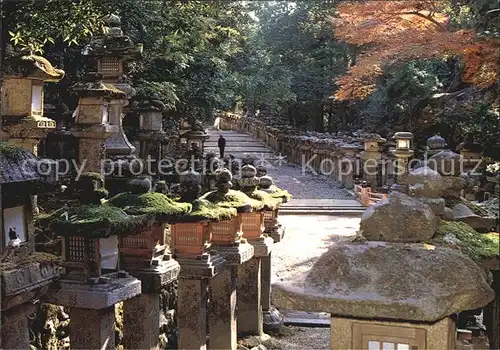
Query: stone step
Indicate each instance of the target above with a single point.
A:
(305, 319)
(350, 212)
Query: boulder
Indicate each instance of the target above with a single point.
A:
(454, 185)
(398, 218)
(437, 205)
(448, 214)
(388, 281)
(463, 213)
(425, 182)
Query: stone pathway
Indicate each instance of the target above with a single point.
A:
(300, 184)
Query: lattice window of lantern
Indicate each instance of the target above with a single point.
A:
(388, 337)
(226, 230)
(252, 221)
(109, 66)
(187, 234)
(139, 241)
(75, 246)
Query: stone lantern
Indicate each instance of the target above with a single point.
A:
(22, 100)
(92, 281)
(194, 138)
(471, 153)
(151, 135)
(371, 158)
(402, 300)
(92, 126)
(435, 144)
(24, 274)
(403, 151)
(145, 255)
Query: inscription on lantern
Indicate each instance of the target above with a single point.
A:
(17, 280)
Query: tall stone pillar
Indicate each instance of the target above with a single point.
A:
(222, 317)
(192, 299)
(92, 329)
(15, 331)
(141, 314)
(249, 298)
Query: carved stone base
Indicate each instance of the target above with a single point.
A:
(235, 254)
(263, 246)
(155, 277)
(202, 267)
(273, 320)
(108, 291)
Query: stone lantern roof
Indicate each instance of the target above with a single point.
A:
(469, 144)
(149, 104)
(95, 87)
(33, 67)
(436, 142)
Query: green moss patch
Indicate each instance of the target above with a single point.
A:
(204, 210)
(38, 257)
(232, 199)
(269, 202)
(9, 150)
(477, 245)
(95, 221)
(476, 209)
(283, 194)
(151, 203)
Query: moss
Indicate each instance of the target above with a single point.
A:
(205, 210)
(9, 150)
(152, 203)
(37, 257)
(232, 199)
(269, 202)
(94, 221)
(283, 194)
(91, 176)
(477, 245)
(476, 209)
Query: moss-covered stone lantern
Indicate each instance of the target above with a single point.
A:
(24, 274)
(22, 100)
(92, 281)
(151, 136)
(471, 153)
(411, 287)
(272, 227)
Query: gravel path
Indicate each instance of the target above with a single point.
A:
(300, 338)
(306, 238)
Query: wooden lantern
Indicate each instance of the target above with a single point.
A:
(253, 224)
(145, 247)
(85, 258)
(190, 239)
(226, 231)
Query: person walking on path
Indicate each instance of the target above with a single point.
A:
(222, 144)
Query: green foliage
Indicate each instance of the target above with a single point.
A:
(476, 245)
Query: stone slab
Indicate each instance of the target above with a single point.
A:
(154, 278)
(28, 277)
(235, 254)
(204, 267)
(98, 296)
(262, 247)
